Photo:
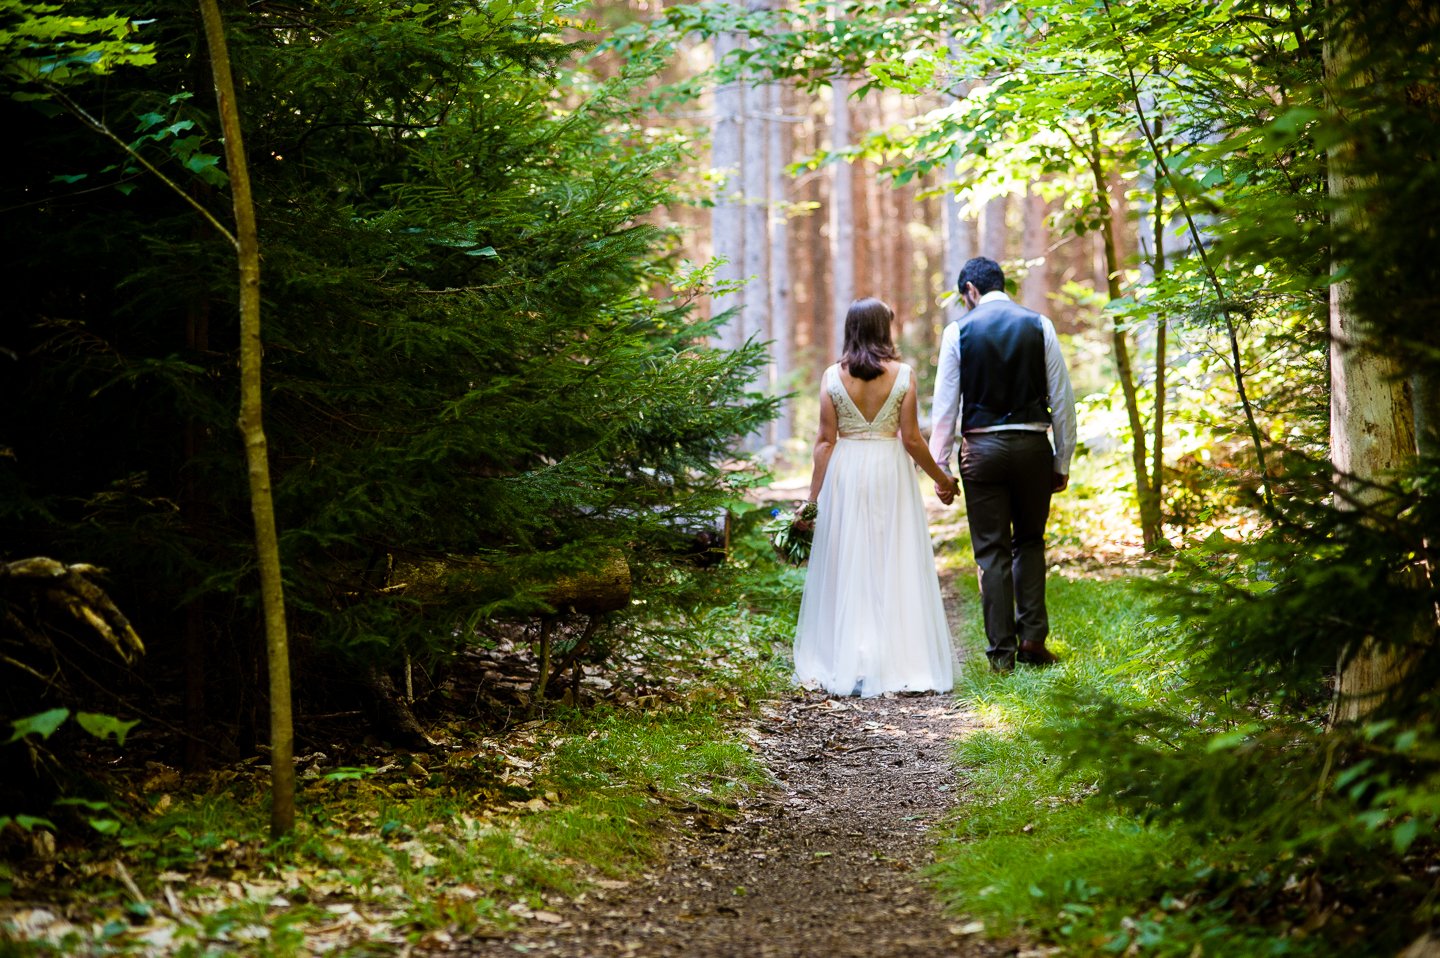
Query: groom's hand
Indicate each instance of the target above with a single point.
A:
(947, 492)
(1059, 481)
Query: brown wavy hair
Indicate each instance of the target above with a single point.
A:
(867, 339)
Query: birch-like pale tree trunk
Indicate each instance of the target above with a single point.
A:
(782, 322)
(842, 215)
(959, 231)
(727, 230)
(756, 184)
(267, 543)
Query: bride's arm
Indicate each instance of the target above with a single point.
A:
(915, 443)
(824, 443)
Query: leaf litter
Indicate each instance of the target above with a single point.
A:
(502, 824)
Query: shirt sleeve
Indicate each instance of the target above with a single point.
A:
(945, 406)
(1061, 398)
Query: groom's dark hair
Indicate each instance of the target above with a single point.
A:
(984, 272)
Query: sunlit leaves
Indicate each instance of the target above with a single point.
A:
(40, 45)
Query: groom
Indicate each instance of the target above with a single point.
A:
(1003, 377)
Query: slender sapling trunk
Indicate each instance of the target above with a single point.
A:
(267, 544)
(1149, 506)
(1157, 463)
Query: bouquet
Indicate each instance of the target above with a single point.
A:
(792, 545)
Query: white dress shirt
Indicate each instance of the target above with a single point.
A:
(945, 407)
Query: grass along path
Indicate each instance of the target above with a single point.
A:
(1031, 846)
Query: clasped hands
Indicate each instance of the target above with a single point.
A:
(1058, 483)
(947, 491)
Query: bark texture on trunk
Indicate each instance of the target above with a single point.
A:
(267, 543)
(727, 228)
(782, 320)
(1372, 420)
(959, 231)
(756, 182)
(842, 218)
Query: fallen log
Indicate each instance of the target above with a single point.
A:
(604, 587)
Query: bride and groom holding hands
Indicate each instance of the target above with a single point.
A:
(871, 620)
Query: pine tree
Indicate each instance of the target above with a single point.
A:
(461, 358)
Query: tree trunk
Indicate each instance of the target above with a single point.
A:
(842, 217)
(959, 249)
(572, 658)
(901, 210)
(1157, 261)
(542, 675)
(782, 325)
(727, 229)
(1372, 424)
(959, 232)
(756, 183)
(1149, 506)
(389, 714)
(1036, 240)
(993, 240)
(861, 180)
(267, 544)
(822, 313)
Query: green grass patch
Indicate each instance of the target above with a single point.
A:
(1033, 846)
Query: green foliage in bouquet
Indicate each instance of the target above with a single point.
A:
(792, 543)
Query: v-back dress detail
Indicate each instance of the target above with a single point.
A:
(871, 620)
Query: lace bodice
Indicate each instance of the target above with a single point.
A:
(853, 424)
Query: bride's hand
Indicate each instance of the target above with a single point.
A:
(948, 490)
(802, 524)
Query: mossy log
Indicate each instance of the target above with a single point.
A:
(604, 587)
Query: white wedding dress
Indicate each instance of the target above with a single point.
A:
(871, 620)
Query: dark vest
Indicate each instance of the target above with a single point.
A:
(1002, 366)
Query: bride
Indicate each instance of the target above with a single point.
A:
(871, 619)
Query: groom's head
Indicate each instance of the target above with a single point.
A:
(979, 276)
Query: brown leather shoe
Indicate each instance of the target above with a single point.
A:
(1035, 653)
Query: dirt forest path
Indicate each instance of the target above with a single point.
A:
(828, 865)
(825, 864)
